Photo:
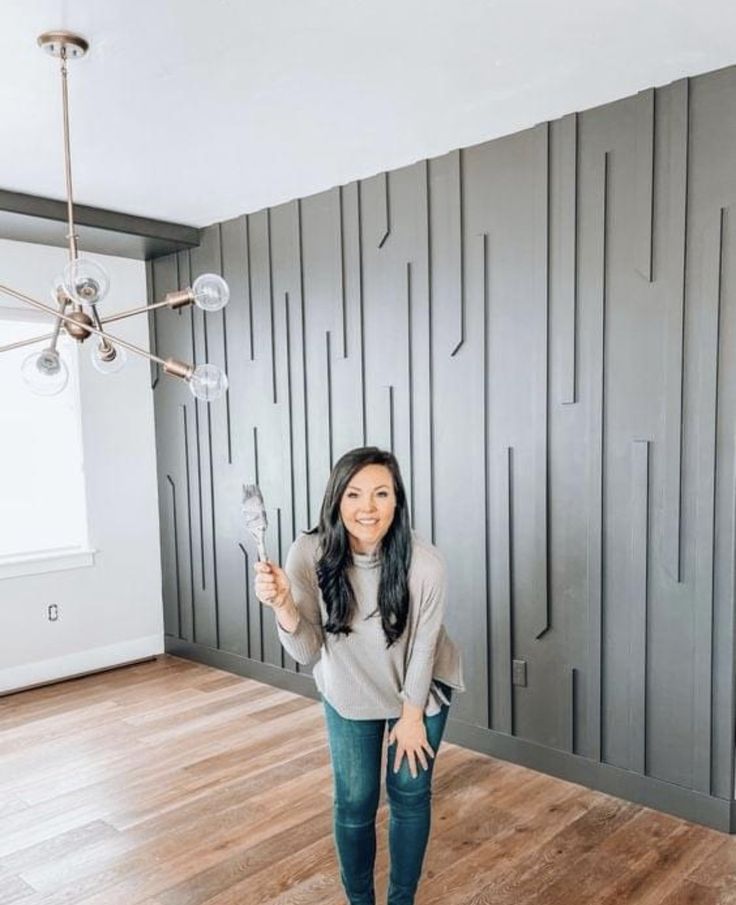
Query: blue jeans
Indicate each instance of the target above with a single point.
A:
(355, 751)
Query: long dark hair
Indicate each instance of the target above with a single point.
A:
(336, 554)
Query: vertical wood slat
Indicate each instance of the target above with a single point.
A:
(361, 309)
(541, 176)
(341, 254)
(709, 353)
(644, 181)
(390, 415)
(272, 326)
(410, 390)
(678, 141)
(596, 477)
(280, 558)
(510, 571)
(457, 229)
(487, 440)
(175, 558)
(638, 628)
(303, 330)
(502, 602)
(290, 414)
(251, 343)
(573, 717)
(225, 356)
(212, 526)
(328, 383)
(729, 787)
(430, 351)
(563, 245)
(246, 599)
(190, 538)
(256, 471)
(384, 211)
(197, 451)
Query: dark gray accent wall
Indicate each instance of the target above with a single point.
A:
(542, 328)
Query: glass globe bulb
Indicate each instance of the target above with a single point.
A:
(45, 373)
(208, 382)
(86, 281)
(105, 365)
(211, 292)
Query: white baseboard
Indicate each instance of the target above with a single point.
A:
(79, 663)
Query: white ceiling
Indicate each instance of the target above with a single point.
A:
(199, 111)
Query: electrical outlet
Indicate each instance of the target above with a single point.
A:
(53, 612)
(519, 672)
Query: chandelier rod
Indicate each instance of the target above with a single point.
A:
(143, 308)
(27, 342)
(34, 303)
(63, 302)
(105, 344)
(71, 236)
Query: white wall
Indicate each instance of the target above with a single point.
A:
(110, 612)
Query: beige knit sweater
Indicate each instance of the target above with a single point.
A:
(356, 674)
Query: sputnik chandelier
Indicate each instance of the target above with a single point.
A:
(85, 283)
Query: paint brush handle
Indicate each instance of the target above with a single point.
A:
(260, 538)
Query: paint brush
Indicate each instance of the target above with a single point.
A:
(255, 516)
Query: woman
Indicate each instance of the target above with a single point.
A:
(364, 591)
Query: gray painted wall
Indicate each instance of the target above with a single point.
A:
(542, 328)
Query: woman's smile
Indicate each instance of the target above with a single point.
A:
(367, 507)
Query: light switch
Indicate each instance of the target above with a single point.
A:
(519, 672)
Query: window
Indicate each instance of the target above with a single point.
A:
(43, 509)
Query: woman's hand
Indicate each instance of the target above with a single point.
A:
(410, 736)
(272, 584)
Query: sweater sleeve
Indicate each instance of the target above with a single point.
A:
(306, 640)
(421, 660)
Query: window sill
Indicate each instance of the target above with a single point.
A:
(18, 565)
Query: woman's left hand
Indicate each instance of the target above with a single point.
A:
(410, 736)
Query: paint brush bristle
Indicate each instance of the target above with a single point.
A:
(256, 521)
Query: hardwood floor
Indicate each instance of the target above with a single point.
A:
(172, 783)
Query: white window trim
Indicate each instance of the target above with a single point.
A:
(46, 561)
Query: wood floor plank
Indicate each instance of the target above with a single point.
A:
(691, 893)
(14, 891)
(173, 783)
(718, 868)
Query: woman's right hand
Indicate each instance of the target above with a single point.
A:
(272, 584)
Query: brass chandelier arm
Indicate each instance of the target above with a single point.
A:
(165, 303)
(26, 342)
(40, 339)
(34, 303)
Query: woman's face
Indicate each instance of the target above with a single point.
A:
(367, 507)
